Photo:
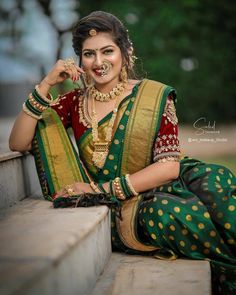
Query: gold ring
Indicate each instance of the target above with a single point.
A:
(69, 61)
(70, 190)
(66, 66)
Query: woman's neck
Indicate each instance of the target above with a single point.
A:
(106, 87)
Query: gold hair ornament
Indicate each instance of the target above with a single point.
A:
(92, 32)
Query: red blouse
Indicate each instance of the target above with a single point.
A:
(166, 147)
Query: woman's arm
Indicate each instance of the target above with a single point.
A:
(155, 175)
(22, 133)
(24, 127)
(152, 176)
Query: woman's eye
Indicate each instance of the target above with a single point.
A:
(88, 54)
(108, 51)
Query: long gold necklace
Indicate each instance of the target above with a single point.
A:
(101, 148)
(114, 93)
(84, 117)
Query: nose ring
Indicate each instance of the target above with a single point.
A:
(105, 68)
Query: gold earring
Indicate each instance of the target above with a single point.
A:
(124, 75)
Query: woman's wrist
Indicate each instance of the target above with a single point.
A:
(106, 186)
(45, 86)
(122, 187)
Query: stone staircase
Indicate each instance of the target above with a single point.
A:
(68, 251)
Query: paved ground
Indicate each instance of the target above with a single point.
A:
(194, 142)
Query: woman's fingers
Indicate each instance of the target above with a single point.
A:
(76, 72)
(63, 70)
(80, 70)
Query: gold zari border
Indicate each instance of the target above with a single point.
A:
(137, 152)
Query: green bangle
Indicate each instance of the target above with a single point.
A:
(111, 191)
(43, 97)
(32, 109)
(28, 112)
(39, 99)
(125, 187)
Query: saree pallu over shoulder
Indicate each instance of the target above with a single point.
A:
(56, 160)
(141, 130)
(143, 125)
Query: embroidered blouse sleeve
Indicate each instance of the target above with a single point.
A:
(62, 106)
(166, 147)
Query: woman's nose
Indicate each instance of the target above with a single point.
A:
(98, 60)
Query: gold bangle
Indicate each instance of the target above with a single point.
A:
(35, 104)
(70, 191)
(118, 191)
(28, 112)
(133, 191)
(45, 98)
(94, 187)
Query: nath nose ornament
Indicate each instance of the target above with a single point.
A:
(106, 66)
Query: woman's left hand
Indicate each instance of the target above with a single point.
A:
(77, 187)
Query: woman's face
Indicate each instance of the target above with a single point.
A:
(99, 49)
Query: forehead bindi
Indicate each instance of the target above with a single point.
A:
(101, 40)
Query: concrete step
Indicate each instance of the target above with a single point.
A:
(18, 178)
(52, 251)
(141, 275)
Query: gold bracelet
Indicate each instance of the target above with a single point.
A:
(44, 97)
(28, 112)
(133, 191)
(118, 191)
(94, 187)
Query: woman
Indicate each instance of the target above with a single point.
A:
(127, 137)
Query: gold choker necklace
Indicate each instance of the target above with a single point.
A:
(104, 97)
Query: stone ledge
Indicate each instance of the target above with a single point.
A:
(52, 251)
(18, 178)
(8, 155)
(141, 275)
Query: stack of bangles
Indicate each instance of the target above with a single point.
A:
(120, 187)
(37, 103)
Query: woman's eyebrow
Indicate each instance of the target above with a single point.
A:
(104, 47)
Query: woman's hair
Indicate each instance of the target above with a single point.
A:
(102, 22)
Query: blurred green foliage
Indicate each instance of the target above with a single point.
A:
(188, 44)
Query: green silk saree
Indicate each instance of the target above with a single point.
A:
(194, 216)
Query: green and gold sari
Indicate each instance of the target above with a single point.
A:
(194, 216)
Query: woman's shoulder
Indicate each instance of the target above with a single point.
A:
(171, 92)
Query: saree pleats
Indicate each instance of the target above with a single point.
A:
(192, 217)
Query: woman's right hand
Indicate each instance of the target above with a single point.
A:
(62, 70)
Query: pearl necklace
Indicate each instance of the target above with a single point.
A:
(104, 97)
